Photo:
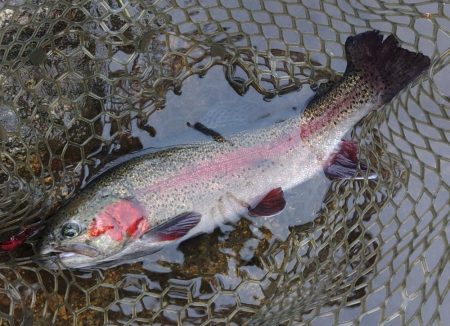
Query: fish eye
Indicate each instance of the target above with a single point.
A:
(70, 230)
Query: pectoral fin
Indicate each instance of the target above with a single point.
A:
(344, 162)
(175, 228)
(272, 203)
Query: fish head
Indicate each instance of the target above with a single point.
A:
(92, 229)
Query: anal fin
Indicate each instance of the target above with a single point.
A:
(272, 203)
(343, 164)
(174, 228)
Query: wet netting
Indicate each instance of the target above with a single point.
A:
(81, 80)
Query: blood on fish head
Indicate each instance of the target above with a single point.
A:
(88, 230)
(119, 221)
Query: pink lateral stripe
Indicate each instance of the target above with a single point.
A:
(318, 123)
(224, 163)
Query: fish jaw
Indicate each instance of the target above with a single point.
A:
(67, 259)
(54, 257)
(79, 251)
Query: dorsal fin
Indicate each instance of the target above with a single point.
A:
(322, 90)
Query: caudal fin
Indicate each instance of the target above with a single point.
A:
(386, 63)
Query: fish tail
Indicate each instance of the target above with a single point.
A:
(383, 62)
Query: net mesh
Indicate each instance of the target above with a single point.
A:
(80, 79)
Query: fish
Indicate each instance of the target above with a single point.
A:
(170, 195)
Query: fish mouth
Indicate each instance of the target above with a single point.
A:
(72, 249)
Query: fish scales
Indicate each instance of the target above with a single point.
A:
(176, 193)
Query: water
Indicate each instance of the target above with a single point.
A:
(341, 252)
(218, 259)
(224, 273)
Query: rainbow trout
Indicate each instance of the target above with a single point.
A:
(171, 195)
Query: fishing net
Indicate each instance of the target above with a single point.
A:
(79, 84)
